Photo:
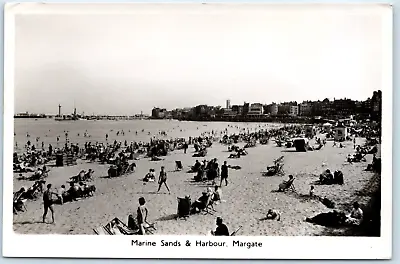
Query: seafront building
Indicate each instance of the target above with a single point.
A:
(335, 109)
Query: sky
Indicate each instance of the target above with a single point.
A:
(128, 62)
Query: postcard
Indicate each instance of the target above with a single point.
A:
(201, 130)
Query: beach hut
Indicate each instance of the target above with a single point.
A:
(301, 144)
(340, 133)
(309, 131)
(327, 127)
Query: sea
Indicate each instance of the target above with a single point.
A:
(47, 130)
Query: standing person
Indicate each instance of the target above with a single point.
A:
(142, 213)
(60, 194)
(163, 179)
(48, 203)
(185, 147)
(354, 142)
(224, 174)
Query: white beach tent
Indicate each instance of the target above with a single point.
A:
(327, 127)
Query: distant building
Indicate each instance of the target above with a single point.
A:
(273, 109)
(294, 110)
(284, 109)
(228, 104)
(229, 112)
(246, 108)
(238, 109)
(158, 113)
(305, 109)
(256, 109)
(344, 107)
(376, 105)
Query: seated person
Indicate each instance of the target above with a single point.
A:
(81, 175)
(326, 176)
(61, 193)
(356, 215)
(332, 219)
(234, 156)
(286, 184)
(19, 200)
(114, 229)
(196, 166)
(155, 158)
(89, 175)
(221, 230)
(200, 174)
(72, 192)
(273, 215)
(150, 176)
(217, 194)
(19, 194)
(200, 203)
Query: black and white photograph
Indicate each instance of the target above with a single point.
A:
(235, 124)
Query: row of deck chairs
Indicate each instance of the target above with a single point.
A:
(122, 229)
(114, 171)
(82, 176)
(22, 196)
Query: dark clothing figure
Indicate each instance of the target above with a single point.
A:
(222, 230)
(224, 174)
(162, 180)
(48, 203)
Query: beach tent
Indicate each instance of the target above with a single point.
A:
(301, 144)
(309, 131)
(340, 133)
(327, 127)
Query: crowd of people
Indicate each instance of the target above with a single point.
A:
(118, 154)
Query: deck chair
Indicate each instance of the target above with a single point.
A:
(133, 227)
(209, 208)
(184, 205)
(178, 166)
(17, 200)
(236, 231)
(101, 230)
(289, 185)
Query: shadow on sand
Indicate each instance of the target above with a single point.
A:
(168, 217)
(28, 223)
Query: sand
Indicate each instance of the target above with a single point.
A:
(248, 196)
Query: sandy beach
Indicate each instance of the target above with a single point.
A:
(247, 198)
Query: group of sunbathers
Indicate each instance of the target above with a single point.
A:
(337, 218)
(328, 178)
(206, 170)
(208, 198)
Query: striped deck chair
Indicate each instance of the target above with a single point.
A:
(101, 230)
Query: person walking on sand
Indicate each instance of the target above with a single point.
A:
(163, 180)
(224, 174)
(48, 203)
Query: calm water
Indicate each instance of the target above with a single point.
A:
(47, 130)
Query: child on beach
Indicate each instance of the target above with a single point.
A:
(312, 193)
(273, 215)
